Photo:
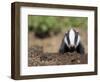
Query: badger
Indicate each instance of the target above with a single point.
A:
(71, 42)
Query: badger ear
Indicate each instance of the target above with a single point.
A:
(78, 32)
(66, 34)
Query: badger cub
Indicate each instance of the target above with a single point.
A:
(71, 42)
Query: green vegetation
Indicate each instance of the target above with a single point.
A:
(43, 26)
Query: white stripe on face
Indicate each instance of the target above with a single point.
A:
(65, 40)
(72, 37)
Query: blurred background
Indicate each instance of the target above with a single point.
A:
(48, 31)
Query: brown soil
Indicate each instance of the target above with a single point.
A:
(36, 57)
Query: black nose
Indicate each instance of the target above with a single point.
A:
(72, 49)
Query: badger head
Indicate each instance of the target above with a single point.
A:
(72, 39)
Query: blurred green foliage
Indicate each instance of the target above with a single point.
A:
(45, 25)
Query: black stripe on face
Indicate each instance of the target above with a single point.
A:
(76, 37)
(67, 36)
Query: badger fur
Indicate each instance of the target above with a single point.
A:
(71, 42)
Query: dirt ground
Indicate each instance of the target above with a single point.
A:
(36, 57)
(43, 52)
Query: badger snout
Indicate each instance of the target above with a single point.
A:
(72, 48)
